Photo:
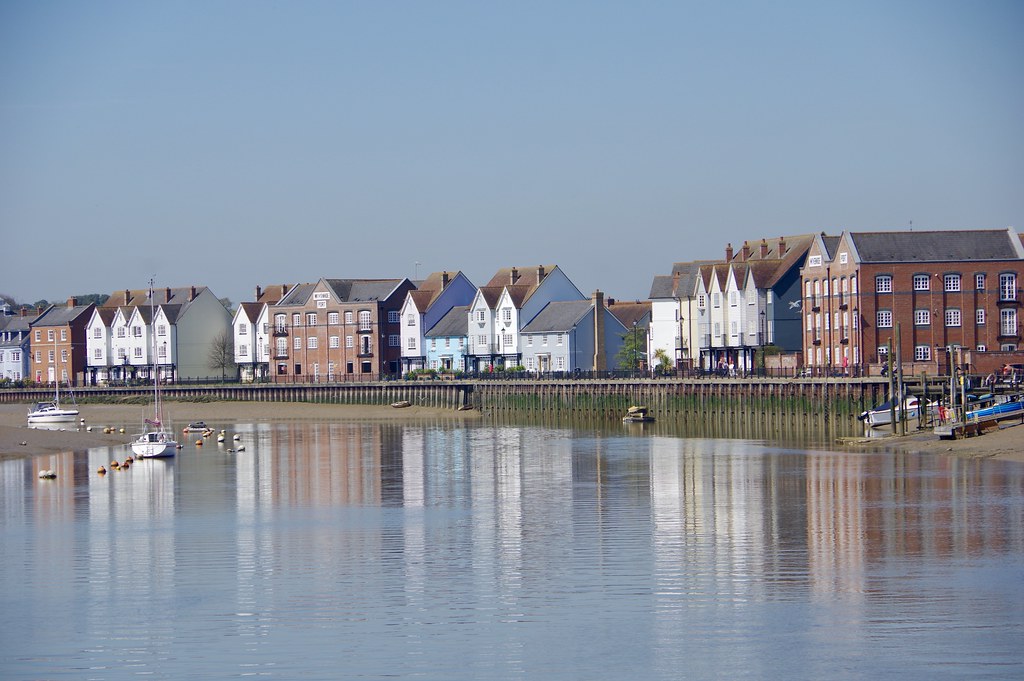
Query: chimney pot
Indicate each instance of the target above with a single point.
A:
(127, 296)
(72, 302)
(444, 279)
(514, 276)
(167, 294)
(540, 273)
(728, 252)
(259, 292)
(745, 251)
(764, 248)
(782, 246)
(192, 294)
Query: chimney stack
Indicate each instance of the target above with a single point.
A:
(444, 279)
(599, 353)
(24, 311)
(782, 246)
(72, 302)
(514, 276)
(728, 252)
(540, 273)
(764, 249)
(745, 251)
(167, 294)
(284, 290)
(259, 292)
(127, 296)
(192, 294)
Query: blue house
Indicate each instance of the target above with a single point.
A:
(446, 341)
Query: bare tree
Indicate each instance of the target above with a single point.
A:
(222, 354)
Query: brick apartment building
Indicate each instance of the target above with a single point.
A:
(948, 290)
(337, 330)
(57, 347)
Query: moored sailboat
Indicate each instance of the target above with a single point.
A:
(155, 441)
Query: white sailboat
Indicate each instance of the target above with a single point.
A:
(45, 413)
(155, 440)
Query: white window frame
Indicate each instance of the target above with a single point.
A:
(883, 319)
(883, 283)
(951, 283)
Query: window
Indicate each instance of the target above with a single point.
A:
(311, 319)
(558, 339)
(979, 316)
(312, 343)
(50, 356)
(844, 258)
(38, 337)
(884, 319)
(97, 332)
(394, 317)
(953, 317)
(814, 261)
(365, 320)
(1008, 322)
(243, 330)
(883, 283)
(348, 319)
(922, 317)
(410, 343)
(922, 353)
(279, 322)
(481, 316)
(506, 314)
(296, 319)
(334, 342)
(982, 348)
(560, 363)
(433, 344)
(1008, 286)
(297, 344)
(734, 298)
(333, 318)
(97, 353)
(810, 321)
(716, 300)
(529, 341)
(951, 283)
(702, 301)
(853, 284)
(506, 340)
(243, 350)
(394, 340)
(161, 330)
(349, 343)
(121, 354)
(481, 341)
(922, 282)
(410, 320)
(138, 353)
(979, 282)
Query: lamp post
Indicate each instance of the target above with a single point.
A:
(636, 352)
(763, 337)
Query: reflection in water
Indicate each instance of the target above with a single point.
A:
(502, 550)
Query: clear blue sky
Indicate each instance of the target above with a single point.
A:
(241, 143)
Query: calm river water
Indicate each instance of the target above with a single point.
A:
(448, 551)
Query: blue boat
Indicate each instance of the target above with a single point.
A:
(1010, 406)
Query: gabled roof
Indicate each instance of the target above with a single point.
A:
(61, 315)
(936, 246)
(490, 294)
(363, 290)
(763, 273)
(298, 295)
(629, 312)
(455, 323)
(250, 310)
(523, 276)
(106, 315)
(519, 294)
(559, 315)
(422, 299)
(830, 244)
(179, 296)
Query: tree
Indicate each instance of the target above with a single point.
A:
(633, 350)
(662, 362)
(222, 354)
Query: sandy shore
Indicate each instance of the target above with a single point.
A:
(18, 440)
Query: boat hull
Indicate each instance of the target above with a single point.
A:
(63, 416)
(154, 446)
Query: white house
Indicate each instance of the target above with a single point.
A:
(425, 307)
(509, 301)
(180, 325)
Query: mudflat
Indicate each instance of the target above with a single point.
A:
(18, 440)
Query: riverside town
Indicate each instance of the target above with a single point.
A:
(807, 305)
